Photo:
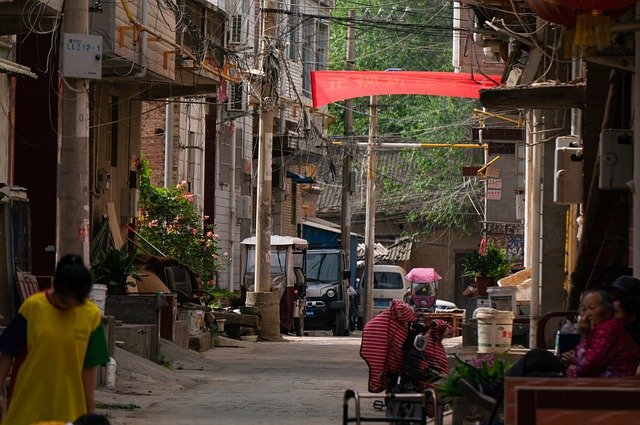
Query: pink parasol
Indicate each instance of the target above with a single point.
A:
(423, 275)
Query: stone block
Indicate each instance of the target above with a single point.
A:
(200, 342)
(141, 340)
(181, 334)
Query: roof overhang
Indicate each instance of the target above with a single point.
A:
(557, 96)
(9, 67)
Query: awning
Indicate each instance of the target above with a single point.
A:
(333, 86)
(10, 67)
(298, 178)
(541, 97)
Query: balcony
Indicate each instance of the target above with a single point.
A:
(143, 43)
(43, 15)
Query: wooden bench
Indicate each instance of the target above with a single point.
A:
(569, 401)
(453, 318)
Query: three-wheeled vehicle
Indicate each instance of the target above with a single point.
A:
(286, 277)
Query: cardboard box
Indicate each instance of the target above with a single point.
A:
(503, 298)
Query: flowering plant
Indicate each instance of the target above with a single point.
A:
(486, 373)
(170, 222)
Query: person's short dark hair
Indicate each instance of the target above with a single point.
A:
(625, 285)
(606, 299)
(72, 277)
(92, 419)
(630, 305)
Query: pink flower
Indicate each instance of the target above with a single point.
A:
(194, 231)
(209, 234)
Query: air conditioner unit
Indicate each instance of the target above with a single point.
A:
(236, 98)
(567, 188)
(237, 32)
(616, 159)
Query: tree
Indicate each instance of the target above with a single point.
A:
(420, 41)
(171, 223)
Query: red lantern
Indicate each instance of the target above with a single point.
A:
(553, 11)
(592, 18)
(603, 5)
(593, 25)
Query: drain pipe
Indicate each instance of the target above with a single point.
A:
(168, 143)
(144, 63)
(233, 207)
(536, 147)
(110, 374)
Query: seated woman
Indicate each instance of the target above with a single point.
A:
(606, 349)
(627, 310)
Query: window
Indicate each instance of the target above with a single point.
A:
(294, 30)
(308, 54)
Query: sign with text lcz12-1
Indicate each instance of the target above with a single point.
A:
(81, 56)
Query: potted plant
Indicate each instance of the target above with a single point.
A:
(112, 268)
(473, 385)
(486, 267)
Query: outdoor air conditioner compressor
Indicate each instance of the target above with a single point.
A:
(616, 159)
(567, 187)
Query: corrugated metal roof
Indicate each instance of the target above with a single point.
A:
(397, 252)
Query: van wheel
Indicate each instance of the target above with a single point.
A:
(339, 324)
(298, 324)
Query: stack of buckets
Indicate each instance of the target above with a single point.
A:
(494, 330)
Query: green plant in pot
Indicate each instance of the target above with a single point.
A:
(112, 268)
(486, 267)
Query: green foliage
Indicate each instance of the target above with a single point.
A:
(218, 292)
(493, 263)
(171, 223)
(484, 372)
(112, 267)
(421, 42)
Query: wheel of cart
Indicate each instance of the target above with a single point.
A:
(396, 409)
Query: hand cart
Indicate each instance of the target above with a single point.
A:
(391, 416)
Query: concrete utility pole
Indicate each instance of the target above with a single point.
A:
(345, 212)
(635, 192)
(72, 209)
(266, 301)
(370, 216)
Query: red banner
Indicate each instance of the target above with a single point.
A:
(333, 86)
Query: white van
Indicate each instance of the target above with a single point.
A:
(389, 283)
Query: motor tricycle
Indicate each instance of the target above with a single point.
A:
(287, 277)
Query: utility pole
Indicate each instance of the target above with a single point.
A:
(345, 212)
(72, 232)
(370, 216)
(266, 301)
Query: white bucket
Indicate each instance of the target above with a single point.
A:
(98, 295)
(194, 319)
(494, 330)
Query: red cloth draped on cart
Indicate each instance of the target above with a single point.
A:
(382, 343)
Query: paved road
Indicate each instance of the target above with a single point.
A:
(298, 381)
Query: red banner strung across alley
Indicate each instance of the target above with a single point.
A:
(333, 86)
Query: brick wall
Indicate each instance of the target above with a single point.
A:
(152, 146)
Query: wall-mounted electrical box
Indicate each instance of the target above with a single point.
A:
(243, 207)
(129, 203)
(616, 159)
(81, 55)
(567, 188)
(520, 206)
(568, 142)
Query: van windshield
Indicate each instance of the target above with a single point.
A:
(323, 268)
(387, 280)
(278, 260)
